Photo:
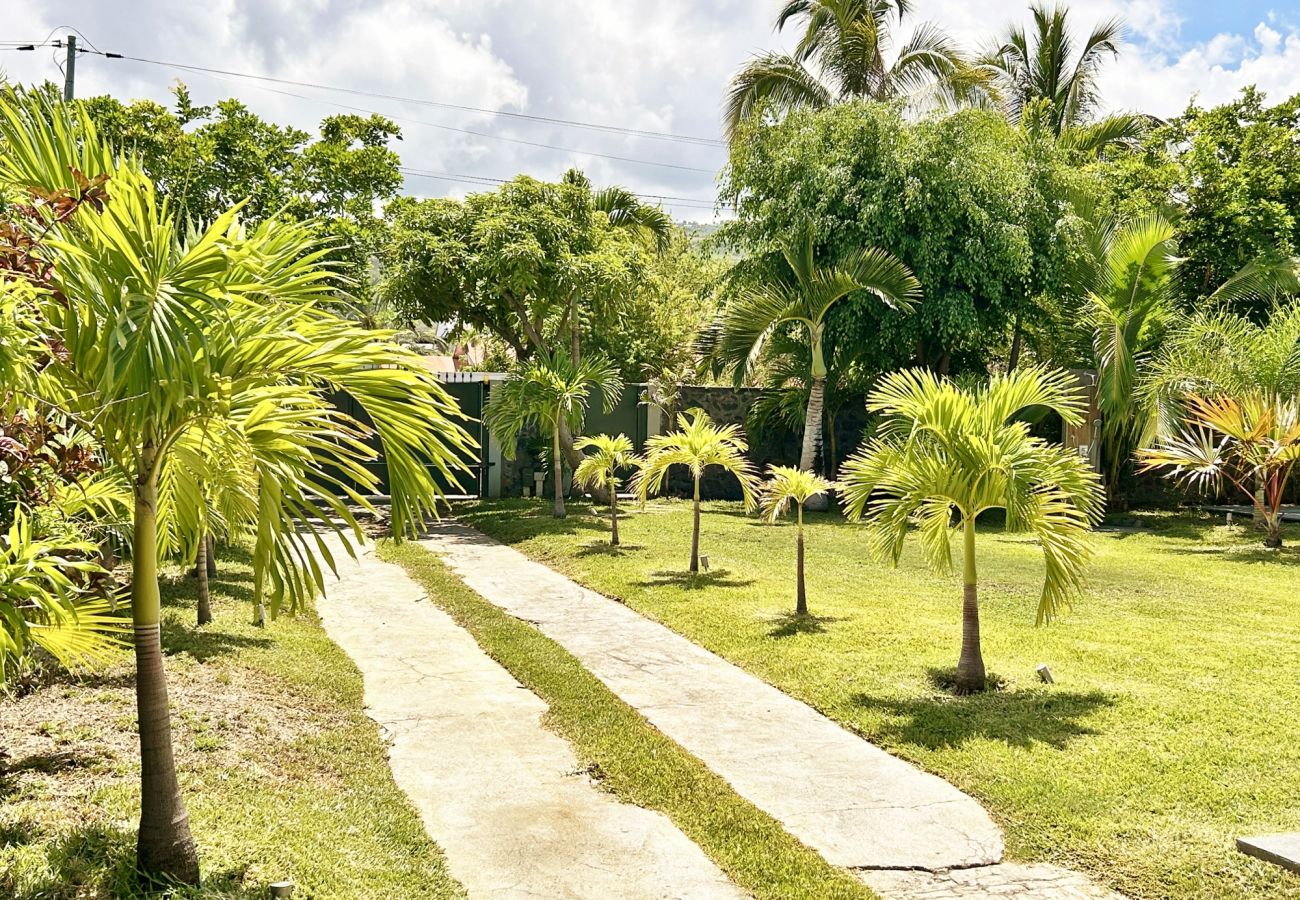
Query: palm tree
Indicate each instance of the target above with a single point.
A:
(552, 392)
(942, 449)
(845, 53)
(1043, 84)
(164, 332)
(699, 444)
(600, 469)
(788, 485)
(802, 296)
(1251, 441)
(1128, 282)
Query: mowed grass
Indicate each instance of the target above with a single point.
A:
(1171, 728)
(284, 776)
(629, 756)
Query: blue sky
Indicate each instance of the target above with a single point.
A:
(657, 65)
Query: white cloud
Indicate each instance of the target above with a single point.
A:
(660, 66)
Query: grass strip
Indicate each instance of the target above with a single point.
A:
(629, 756)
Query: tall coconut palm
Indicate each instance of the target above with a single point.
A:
(846, 52)
(699, 445)
(601, 468)
(785, 486)
(551, 392)
(802, 296)
(1252, 441)
(158, 332)
(1043, 83)
(943, 450)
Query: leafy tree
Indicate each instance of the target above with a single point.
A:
(601, 469)
(985, 229)
(942, 449)
(699, 444)
(1043, 84)
(802, 296)
(1251, 441)
(785, 486)
(845, 53)
(551, 392)
(156, 332)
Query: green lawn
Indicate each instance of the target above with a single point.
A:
(1171, 728)
(284, 775)
(630, 757)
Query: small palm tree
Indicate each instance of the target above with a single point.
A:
(849, 46)
(785, 486)
(1252, 442)
(802, 296)
(551, 392)
(1042, 83)
(600, 469)
(698, 445)
(942, 449)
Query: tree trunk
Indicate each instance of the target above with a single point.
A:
(970, 666)
(812, 436)
(613, 514)
(1273, 530)
(1013, 358)
(212, 555)
(695, 530)
(557, 472)
(801, 596)
(202, 570)
(165, 847)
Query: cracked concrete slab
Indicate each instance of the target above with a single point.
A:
(1024, 882)
(854, 803)
(502, 796)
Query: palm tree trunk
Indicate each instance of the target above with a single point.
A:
(557, 472)
(165, 847)
(212, 555)
(613, 514)
(1013, 358)
(695, 531)
(1273, 530)
(201, 569)
(970, 666)
(801, 596)
(812, 436)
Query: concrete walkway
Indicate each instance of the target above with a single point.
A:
(912, 835)
(500, 794)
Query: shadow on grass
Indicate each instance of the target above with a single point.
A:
(1283, 556)
(604, 548)
(46, 764)
(792, 623)
(99, 861)
(694, 581)
(1049, 715)
(206, 643)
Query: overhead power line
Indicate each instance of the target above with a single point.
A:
(548, 120)
(211, 73)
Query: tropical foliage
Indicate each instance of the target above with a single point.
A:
(601, 468)
(786, 486)
(551, 393)
(1252, 442)
(846, 51)
(153, 335)
(699, 445)
(944, 452)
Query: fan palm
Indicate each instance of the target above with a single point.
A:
(553, 392)
(162, 333)
(845, 53)
(1251, 441)
(699, 444)
(802, 295)
(942, 449)
(1042, 83)
(600, 469)
(784, 486)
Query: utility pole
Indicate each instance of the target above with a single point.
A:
(70, 69)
